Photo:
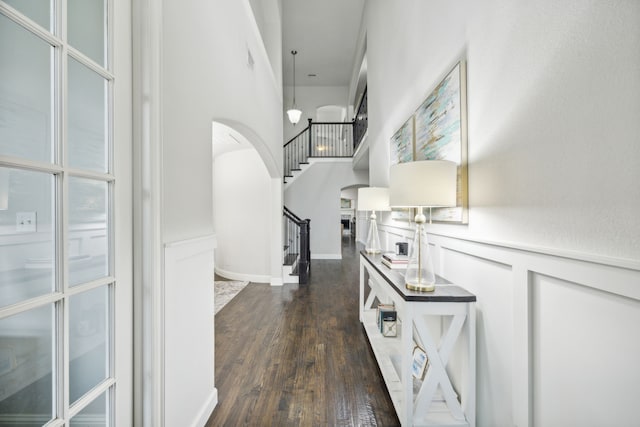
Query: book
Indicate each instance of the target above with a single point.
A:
(396, 259)
(394, 266)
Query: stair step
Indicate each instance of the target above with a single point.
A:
(290, 259)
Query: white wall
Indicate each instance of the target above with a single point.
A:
(243, 200)
(553, 97)
(315, 194)
(308, 99)
(552, 248)
(211, 80)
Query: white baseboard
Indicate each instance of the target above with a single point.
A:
(326, 256)
(276, 281)
(207, 409)
(254, 278)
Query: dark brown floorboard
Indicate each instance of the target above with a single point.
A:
(297, 356)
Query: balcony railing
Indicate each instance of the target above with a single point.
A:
(318, 139)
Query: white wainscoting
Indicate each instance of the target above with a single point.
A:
(189, 387)
(557, 334)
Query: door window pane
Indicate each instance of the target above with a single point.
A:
(87, 28)
(87, 118)
(88, 345)
(27, 264)
(26, 364)
(25, 93)
(88, 230)
(93, 415)
(37, 10)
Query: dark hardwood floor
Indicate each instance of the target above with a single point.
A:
(297, 356)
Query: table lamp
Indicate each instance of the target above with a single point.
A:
(373, 199)
(427, 183)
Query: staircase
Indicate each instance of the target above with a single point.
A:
(297, 252)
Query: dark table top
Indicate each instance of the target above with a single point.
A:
(445, 291)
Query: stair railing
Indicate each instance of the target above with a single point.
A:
(297, 244)
(318, 139)
(360, 121)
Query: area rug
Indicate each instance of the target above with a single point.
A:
(224, 291)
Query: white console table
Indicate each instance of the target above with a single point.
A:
(431, 401)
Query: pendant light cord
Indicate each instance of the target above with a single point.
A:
(294, 53)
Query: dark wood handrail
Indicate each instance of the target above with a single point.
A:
(295, 137)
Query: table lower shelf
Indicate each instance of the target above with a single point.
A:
(387, 351)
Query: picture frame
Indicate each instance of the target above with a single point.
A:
(345, 203)
(441, 134)
(402, 214)
(419, 363)
(402, 143)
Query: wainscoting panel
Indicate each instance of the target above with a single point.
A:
(585, 355)
(190, 395)
(557, 333)
(494, 327)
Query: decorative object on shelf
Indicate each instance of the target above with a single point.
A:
(293, 113)
(429, 183)
(402, 248)
(441, 134)
(386, 313)
(419, 364)
(373, 199)
(389, 323)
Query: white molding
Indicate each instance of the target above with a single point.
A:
(512, 269)
(627, 263)
(326, 256)
(207, 409)
(277, 281)
(254, 278)
(148, 214)
(189, 354)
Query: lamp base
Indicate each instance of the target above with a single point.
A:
(421, 287)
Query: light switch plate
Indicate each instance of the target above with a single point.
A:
(26, 222)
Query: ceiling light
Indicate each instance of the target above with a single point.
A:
(293, 113)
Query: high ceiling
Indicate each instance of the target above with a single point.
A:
(325, 33)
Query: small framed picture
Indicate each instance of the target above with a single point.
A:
(420, 362)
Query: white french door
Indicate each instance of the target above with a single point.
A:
(65, 292)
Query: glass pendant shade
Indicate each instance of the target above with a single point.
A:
(429, 183)
(373, 199)
(294, 115)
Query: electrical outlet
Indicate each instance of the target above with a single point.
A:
(26, 222)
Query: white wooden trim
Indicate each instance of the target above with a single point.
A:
(518, 266)
(255, 278)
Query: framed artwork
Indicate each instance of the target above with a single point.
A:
(402, 144)
(345, 203)
(402, 214)
(441, 134)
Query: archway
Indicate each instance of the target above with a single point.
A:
(247, 206)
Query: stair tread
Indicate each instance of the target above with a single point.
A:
(290, 259)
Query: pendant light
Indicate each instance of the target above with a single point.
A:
(293, 112)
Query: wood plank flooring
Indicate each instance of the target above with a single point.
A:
(297, 356)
